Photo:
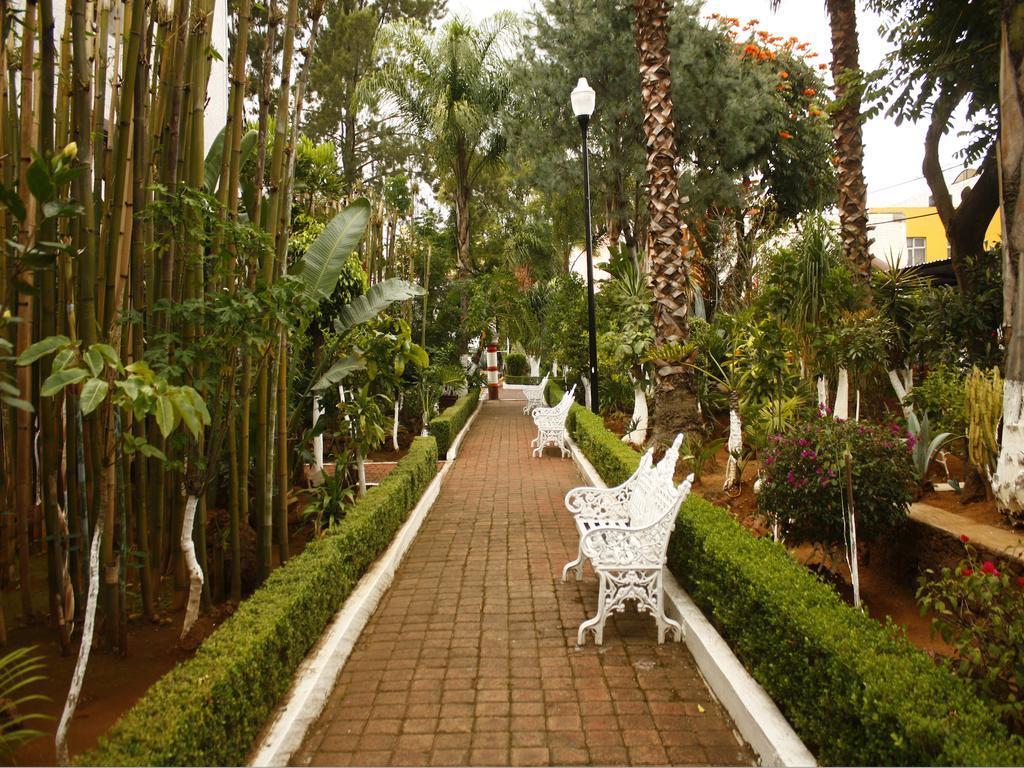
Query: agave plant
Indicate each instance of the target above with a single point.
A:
(924, 444)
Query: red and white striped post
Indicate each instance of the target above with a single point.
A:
(492, 371)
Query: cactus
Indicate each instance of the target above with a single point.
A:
(983, 396)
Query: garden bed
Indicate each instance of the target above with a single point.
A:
(210, 709)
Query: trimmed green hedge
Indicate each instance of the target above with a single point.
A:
(446, 425)
(529, 380)
(210, 709)
(857, 693)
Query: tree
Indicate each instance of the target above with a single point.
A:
(1006, 483)
(945, 58)
(451, 89)
(669, 250)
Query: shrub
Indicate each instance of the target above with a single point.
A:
(516, 364)
(445, 426)
(979, 610)
(531, 380)
(941, 397)
(857, 692)
(804, 485)
(210, 709)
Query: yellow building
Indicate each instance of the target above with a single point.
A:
(914, 234)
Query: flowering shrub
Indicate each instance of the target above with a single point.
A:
(979, 609)
(804, 489)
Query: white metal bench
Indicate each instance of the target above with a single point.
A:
(624, 532)
(535, 395)
(550, 424)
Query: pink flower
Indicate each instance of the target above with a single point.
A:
(989, 568)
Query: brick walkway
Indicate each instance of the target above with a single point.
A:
(471, 656)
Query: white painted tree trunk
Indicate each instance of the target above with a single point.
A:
(361, 473)
(734, 447)
(195, 573)
(71, 704)
(1008, 480)
(822, 393)
(902, 381)
(856, 413)
(842, 407)
(534, 365)
(854, 565)
(394, 424)
(554, 367)
(586, 391)
(318, 441)
(638, 436)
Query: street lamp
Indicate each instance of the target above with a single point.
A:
(582, 99)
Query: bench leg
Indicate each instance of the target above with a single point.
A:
(596, 624)
(577, 564)
(664, 622)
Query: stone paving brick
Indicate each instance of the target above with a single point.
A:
(471, 656)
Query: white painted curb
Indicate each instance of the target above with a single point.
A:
(756, 716)
(315, 677)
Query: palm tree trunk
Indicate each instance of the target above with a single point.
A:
(846, 130)
(668, 248)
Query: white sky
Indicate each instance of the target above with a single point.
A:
(892, 155)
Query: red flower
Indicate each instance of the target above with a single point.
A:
(809, 92)
(1020, 581)
(967, 572)
(989, 568)
(964, 538)
(785, 135)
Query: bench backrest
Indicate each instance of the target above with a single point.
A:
(657, 492)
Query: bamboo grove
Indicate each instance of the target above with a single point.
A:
(146, 313)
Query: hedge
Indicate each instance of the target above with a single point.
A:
(857, 692)
(446, 425)
(211, 709)
(528, 380)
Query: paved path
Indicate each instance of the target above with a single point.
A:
(471, 656)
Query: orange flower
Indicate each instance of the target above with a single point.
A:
(810, 92)
(783, 74)
(785, 135)
(823, 66)
(763, 34)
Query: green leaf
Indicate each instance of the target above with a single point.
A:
(93, 394)
(214, 159)
(94, 361)
(152, 452)
(322, 264)
(109, 354)
(183, 405)
(166, 419)
(39, 181)
(374, 301)
(338, 372)
(62, 358)
(60, 379)
(42, 348)
(10, 200)
(18, 403)
(64, 208)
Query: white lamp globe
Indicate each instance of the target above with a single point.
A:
(583, 99)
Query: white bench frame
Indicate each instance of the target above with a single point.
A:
(624, 532)
(550, 423)
(535, 395)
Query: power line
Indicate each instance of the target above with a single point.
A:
(911, 181)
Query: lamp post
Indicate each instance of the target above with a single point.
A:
(582, 99)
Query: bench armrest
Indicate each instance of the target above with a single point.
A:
(599, 503)
(622, 546)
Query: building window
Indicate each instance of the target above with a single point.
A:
(915, 251)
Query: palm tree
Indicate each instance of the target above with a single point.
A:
(450, 88)
(669, 252)
(846, 130)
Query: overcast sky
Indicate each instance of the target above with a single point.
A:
(893, 154)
